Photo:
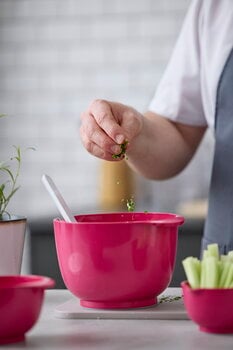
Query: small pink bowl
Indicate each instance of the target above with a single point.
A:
(117, 260)
(211, 309)
(21, 299)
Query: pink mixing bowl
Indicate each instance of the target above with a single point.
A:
(117, 260)
(21, 299)
(211, 309)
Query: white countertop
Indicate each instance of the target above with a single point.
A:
(51, 332)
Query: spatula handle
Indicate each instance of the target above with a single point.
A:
(57, 198)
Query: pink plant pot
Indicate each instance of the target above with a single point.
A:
(117, 260)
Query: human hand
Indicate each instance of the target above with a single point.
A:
(105, 126)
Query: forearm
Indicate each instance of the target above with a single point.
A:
(163, 148)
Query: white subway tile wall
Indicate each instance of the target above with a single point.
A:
(55, 58)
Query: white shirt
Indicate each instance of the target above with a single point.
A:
(187, 91)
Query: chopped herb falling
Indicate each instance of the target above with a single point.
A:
(130, 204)
(122, 152)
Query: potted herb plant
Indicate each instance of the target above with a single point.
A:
(12, 227)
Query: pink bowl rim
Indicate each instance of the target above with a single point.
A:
(25, 281)
(186, 285)
(174, 219)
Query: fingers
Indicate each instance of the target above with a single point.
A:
(95, 140)
(109, 122)
(107, 125)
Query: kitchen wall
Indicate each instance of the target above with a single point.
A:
(55, 57)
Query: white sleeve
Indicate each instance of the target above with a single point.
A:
(178, 96)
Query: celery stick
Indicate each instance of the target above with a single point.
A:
(230, 255)
(206, 253)
(224, 258)
(213, 250)
(198, 267)
(203, 274)
(220, 269)
(192, 271)
(225, 269)
(211, 272)
(229, 277)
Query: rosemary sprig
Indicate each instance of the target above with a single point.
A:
(9, 188)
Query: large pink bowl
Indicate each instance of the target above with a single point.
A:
(210, 309)
(117, 260)
(21, 298)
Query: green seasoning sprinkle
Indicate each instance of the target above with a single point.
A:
(130, 204)
(122, 152)
(168, 298)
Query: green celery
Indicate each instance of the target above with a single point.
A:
(203, 274)
(229, 277)
(225, 270)
(230, 255)
(211, 272)
(206, 253)
(213, 250)
(224, 258)
(192, 271)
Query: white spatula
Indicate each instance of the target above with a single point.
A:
(57, 198)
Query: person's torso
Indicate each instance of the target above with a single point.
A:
(216, 42)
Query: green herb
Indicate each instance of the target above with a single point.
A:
(122, 152)
(169, 298)
(130, 204)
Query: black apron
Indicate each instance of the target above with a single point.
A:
(219, 222)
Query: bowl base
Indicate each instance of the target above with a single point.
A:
(131, 304)
(10, 340)
(216, 330)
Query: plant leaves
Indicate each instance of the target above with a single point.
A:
(7, 170)
(12, 193)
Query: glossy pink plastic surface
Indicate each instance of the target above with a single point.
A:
(211, 309)
(117, 260)
(21, 299)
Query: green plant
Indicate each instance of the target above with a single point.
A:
(9, 186)
(8, 179)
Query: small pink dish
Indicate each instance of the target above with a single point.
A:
(210, 309)
(21, 299)
(117, 260)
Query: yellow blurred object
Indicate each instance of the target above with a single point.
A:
(195, 209)
(116, 185)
